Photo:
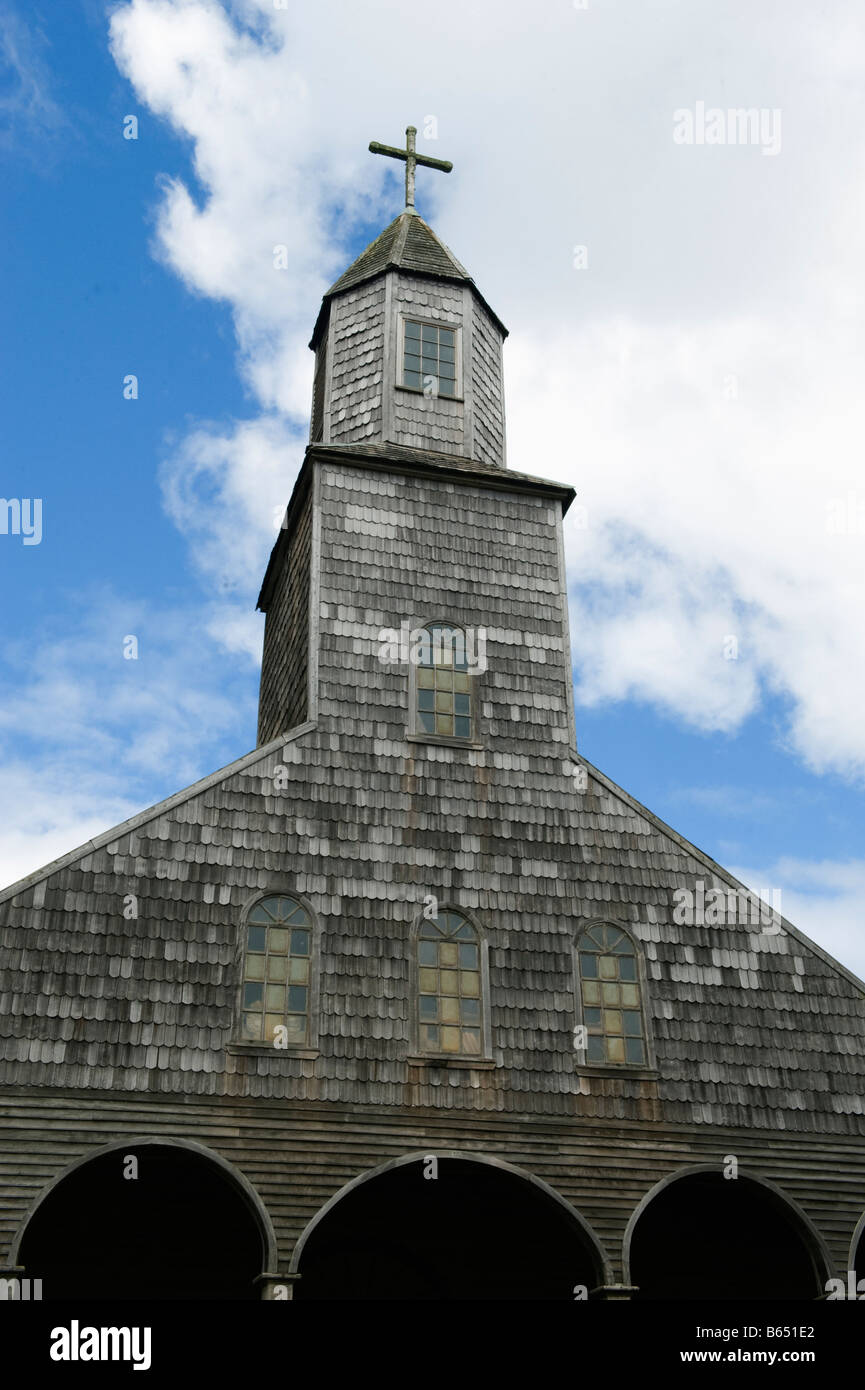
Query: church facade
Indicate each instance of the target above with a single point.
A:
(412, 1001)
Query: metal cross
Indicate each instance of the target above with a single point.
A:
(411, 160)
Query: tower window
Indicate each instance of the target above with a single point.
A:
(610, 996)
(276, 972)
(429, 358)
(444, 682)
(450, 1002)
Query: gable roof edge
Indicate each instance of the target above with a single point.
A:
(716, 868)
(151, 812)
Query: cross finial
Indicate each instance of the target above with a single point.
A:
(412, 158)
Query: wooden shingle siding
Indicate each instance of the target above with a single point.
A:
(355, 364)
(283, 692)
(749, 1029)
(487, 393)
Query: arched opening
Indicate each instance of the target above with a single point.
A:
(475, 1230)
(702, 1236)
(183, 1228)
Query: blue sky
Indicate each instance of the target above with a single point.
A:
(145, 256)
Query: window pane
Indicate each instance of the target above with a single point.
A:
(426, 677)
(444, 680)
(632, 1024)
(429, 980)
(271, 1023)
(277, 967)
(627, 968)
(470, 1010)
(427, 953)
(446, 337)
(450, 1010)
(466, 932)
(426, 698)
(446, 388)
(450, 982)
(629, 995)
(300, 943)
(277, 941)
(592, 1018)
(412, 379)
(412, 361)
(448, 953)
(591, 992)
(450, 1040)
(252, 1026)
(430, 334)
(612, 1021)
(470, 984)
(634, 1051)
(444, 701)
(461, 681)
(429, 1037)
(588, 965)
(426, 721)
(429, 1006)
(469, 957)
(296, 1025)
(298, 971)
(615, 1049)
(472, 1041)
(610, 993)
(444, 723)
(595, 1048)
(446, 353)
(607, 967)
(257, 938)
(253, 996)
(275, 997)
(255, 967)
(429, 365)
(462, 726)
(297, 999)
(412, 330)
(461, 704)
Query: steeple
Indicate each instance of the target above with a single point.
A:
(408, 351)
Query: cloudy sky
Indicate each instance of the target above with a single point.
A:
(685, 298)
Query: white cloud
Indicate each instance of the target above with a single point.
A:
(698, 384)
(89, 738)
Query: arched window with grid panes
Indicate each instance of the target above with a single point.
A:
(277, 973)
(450, 986)
(611, 997)
(444, 682)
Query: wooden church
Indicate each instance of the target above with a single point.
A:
(412, 1001)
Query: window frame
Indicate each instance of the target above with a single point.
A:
(418, 1054)
(603, 1067)
(414, 732)
(238, 1043)
(406, 316)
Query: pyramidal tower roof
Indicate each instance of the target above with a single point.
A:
(408, 244)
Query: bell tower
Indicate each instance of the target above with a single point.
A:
(404, 514)
(408, 351)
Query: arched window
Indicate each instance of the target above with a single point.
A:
(277, 962)
(443, 702)
(610, 996)
(450, 990)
